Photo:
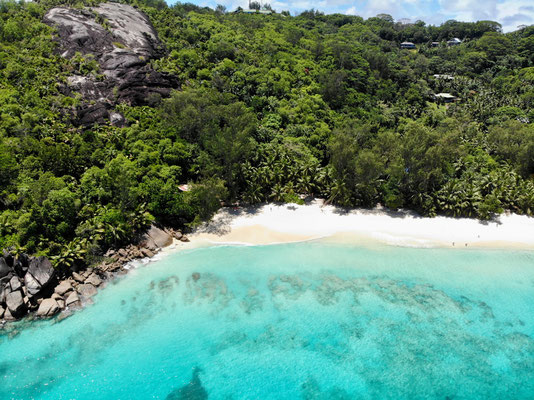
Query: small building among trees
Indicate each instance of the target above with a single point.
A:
(445, 98)
(454, 42)
(407, 45)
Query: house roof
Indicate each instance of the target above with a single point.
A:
(440, 76)
(445, 96)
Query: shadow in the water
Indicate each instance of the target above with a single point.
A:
(192, 391)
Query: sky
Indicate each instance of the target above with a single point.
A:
(510, 13)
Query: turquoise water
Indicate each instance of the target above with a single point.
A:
(298, 321)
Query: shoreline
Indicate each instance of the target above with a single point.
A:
(271, 223)
(287, 223)
(23, 298)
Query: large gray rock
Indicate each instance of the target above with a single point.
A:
(147, 252)
(15, 284)
(63, 287)
(122, 49)
(78, 277)
(72, 299)
(94, 280)
(41, 269)
(47, 308)
(4, 268)
(156, 238)
(87, 290)
(33, 287)
(40, 273)
(15, 303)
(4, 289)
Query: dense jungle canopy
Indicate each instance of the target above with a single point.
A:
(269, 108)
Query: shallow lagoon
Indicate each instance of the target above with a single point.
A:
(310, 320)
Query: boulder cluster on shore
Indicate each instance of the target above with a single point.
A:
(31, 286)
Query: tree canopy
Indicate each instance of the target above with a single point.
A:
(271, 107)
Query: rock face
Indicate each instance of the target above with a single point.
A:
(15, 303)
(63, 288)
(40, 273)
(72, 299)
(30, 284)
(14, 283)
(47, 308)
(122, 41)
(156, 238)
(87, 290)
(4, 268)
(94, 280)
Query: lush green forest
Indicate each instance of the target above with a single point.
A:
(270, 108)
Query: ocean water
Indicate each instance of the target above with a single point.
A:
(310, 320)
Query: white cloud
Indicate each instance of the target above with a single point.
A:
(512, 13)
(509, 13)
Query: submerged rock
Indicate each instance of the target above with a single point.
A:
(122, 41)
(192, 391)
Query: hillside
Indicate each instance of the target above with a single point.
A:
(98, 129)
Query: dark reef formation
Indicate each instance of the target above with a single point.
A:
(192, 391)
(122, 41)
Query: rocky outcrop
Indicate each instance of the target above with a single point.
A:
(94, 280)
(15, 303)
(156, 237)
(30, 284)
(63, 288)
(48, 308)
(73, 299)
(39, 275)
(86, 290)
(4, 268)
(122, 41)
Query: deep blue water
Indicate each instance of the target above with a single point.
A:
(298, 321)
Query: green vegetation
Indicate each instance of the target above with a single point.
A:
(271, 107)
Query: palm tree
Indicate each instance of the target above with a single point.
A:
(277, 193)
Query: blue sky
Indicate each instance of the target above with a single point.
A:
(510, 13)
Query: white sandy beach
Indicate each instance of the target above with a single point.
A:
(274, 223)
